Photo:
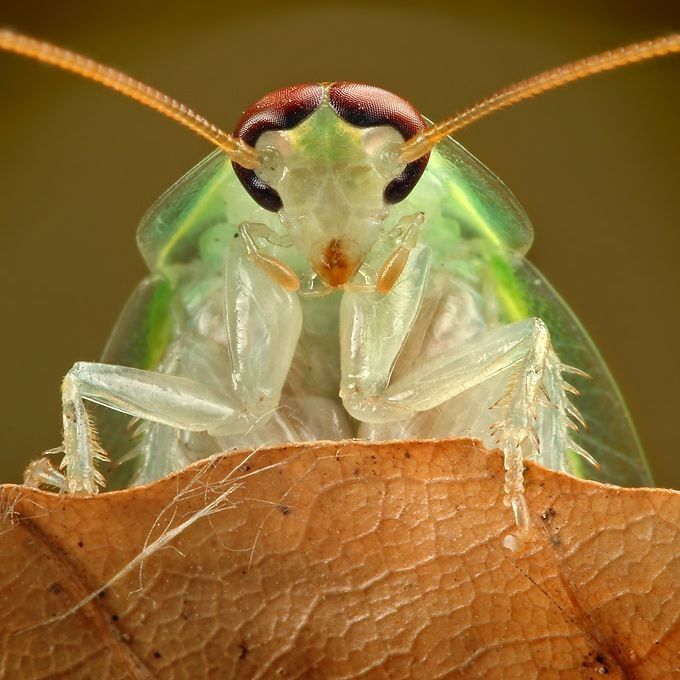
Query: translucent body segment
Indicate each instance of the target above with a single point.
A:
(316, 365)
(473, 362)
(173, 401)
(299, 417)
(318, 418)
(374, 327)
(263, 326)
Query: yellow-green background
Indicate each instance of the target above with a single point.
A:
(595, 165)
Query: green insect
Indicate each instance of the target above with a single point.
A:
(340, 268)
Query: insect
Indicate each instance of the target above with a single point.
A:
(340, 268)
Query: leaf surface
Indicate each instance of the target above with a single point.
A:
(337, 561)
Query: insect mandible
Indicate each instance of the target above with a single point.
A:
(340, 268)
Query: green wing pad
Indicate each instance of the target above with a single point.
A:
(464, 201)
(478, 231)
(197, 217)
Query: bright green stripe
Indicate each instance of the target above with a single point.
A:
(158, 325)
(508, 289)
(462, 199)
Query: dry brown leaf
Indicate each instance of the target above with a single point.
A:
(337, 561)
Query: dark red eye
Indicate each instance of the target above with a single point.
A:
(368, 106)
(280, 110)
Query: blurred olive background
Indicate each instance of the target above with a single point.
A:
(595, 165)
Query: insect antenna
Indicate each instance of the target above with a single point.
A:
(423, 142)
(235, 148)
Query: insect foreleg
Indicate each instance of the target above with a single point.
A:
(263, 320)
(377, 330)
(373, 330)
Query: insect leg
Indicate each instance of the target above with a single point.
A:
(373, 335)
(276, 269)
(263, 321)
(42, 472)
(170, 400)
(373, 330)
(558, 419)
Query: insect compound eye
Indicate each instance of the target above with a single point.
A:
(369, 106)
(279, 110)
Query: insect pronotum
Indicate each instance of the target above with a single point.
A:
(340, 268)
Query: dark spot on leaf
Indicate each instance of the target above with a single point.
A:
(80, 544)
(285, 509)
(102, 593)
(548, 514)
(602, 661)
(56, 588)
(598, 662)
(114, 617)
(157, 654)
(244, 650)
(407, 454)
